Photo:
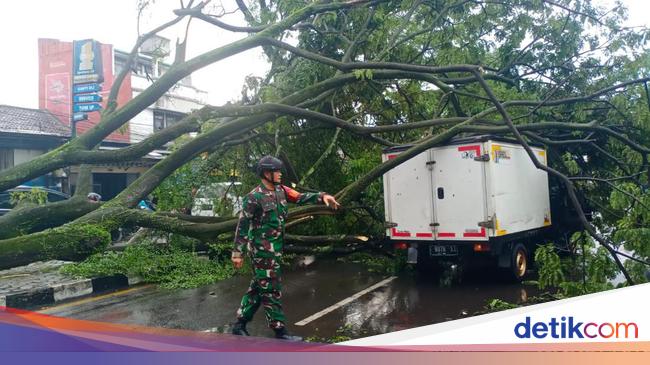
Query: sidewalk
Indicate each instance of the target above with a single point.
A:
(40, 283)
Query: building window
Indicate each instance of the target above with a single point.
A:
(140, 66)
(144, 68)
(165, 118)
(6, 158)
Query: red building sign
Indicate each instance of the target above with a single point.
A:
(54, 89)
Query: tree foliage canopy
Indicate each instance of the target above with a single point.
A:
(348, 78)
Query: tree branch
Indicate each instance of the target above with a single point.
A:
(111, 104)
(569, 185)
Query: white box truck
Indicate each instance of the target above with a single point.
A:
(475, 198)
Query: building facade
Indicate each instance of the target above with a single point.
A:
(55, 99)
(27, 133)
(183, 98)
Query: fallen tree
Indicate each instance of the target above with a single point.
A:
(359, 75)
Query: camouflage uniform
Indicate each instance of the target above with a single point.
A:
(260, 232)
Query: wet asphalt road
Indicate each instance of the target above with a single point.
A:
(407, 301)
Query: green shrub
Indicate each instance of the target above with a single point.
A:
(550, 268)
(170, 267)
(34, 196)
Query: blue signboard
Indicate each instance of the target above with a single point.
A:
(87, 98)
(87, 62)
(92, 107)
(78, 117)
(86, 88)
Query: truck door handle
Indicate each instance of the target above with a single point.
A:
(441, 193)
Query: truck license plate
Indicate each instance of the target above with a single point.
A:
(443, 250)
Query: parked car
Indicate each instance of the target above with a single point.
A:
(208, 198)
(5, 196)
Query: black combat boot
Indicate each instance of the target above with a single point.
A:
(239, 328)
(282, 334)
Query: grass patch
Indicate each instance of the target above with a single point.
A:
(344, 333)
(169, 267)
(497, 305)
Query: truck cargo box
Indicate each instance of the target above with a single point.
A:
(471, 189)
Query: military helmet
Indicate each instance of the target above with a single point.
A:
(94, 197)
(268, 163)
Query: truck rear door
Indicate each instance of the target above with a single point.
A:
(407, 198)
(459, 193)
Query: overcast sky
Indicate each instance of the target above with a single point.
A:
(114, 22)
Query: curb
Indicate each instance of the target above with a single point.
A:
(60, 292)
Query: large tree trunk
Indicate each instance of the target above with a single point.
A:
(70, 242)
(29, 219)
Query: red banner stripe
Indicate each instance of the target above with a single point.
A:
(446, 234)
(397, 233)
(474, 234)
(475, 147)
(424, 235)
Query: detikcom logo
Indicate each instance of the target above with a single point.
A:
(568, 327)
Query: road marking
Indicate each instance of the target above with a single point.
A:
(345, 301)
(92, 299)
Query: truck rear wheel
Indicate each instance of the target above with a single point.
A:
(520, 263)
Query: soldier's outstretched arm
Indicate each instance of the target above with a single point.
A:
(294, 196)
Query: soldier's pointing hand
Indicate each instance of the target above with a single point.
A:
(331, 202)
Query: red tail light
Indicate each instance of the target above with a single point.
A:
(481, 247)
(401, 245)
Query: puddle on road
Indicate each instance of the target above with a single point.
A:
(414, 300)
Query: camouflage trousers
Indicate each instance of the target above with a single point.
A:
(265, 290)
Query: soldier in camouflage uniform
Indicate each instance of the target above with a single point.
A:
(260, 233)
